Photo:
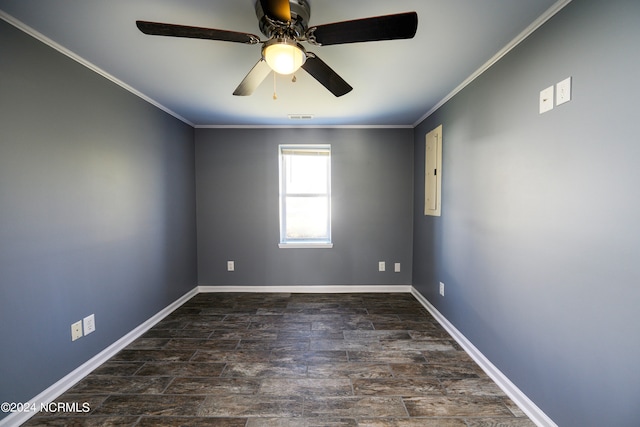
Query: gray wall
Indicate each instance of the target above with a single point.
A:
(237, 205)
(538, 244)
(97, 213)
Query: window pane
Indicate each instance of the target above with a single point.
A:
(307, 217)
(306, 174)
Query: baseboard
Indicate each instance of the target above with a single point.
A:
(331, 289)
(52, 393)
(515, 394)
(510, 389)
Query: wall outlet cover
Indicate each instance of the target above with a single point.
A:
(441, 288)
(563, 91)
(396, 267)
(231, 266)
(89, 324)
(381, 266)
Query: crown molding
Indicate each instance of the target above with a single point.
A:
(46, 40)
(304, 126)
(548, 14)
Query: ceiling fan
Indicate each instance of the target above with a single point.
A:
(286, 24)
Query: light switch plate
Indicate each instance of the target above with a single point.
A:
(546, 100)
(563, 91)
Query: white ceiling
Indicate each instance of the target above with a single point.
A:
(395, 82)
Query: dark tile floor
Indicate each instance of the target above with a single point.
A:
(282, 360)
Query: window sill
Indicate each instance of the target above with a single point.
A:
(310, 245)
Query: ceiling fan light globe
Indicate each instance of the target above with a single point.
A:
(284, 58)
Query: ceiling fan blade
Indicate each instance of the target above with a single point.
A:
(325, 75)
(160, 29)
(278, 10)
(258, 73)
(388, 27)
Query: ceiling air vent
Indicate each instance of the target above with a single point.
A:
(300, 116)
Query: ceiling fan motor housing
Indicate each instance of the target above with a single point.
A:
(300, 14)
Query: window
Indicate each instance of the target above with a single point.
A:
(305, 196)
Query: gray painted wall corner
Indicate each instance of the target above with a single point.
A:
(538, 239)
(97, 213)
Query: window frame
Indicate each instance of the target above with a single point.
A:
(291, 243)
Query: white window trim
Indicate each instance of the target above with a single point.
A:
(303, 244)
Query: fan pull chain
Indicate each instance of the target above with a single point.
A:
(275, 95)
